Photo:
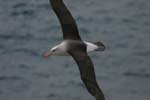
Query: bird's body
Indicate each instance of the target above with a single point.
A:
(63, 47)
(74, 46)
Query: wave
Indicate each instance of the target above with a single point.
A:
(136, 74)
(10, 78)
(15, 36)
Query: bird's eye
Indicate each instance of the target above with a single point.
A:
(54, 50)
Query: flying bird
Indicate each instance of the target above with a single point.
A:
(74, 46)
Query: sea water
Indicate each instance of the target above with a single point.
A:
(28, 28)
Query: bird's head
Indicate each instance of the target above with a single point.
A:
(53, 51)
(59, 50)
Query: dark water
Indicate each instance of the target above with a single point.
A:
(28, 28)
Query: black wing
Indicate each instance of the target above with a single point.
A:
(69, 27)
(87, 73)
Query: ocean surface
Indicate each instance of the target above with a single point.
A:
(28, 28)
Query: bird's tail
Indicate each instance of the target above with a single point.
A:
(101, 46)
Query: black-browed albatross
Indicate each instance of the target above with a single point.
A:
(78, 49)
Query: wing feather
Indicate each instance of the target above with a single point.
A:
(88, 74)
(68, 24)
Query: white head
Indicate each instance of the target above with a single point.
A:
(57, 50)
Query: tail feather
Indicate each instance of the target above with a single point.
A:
(101, 46)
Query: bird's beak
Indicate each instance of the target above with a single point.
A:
(47, 54)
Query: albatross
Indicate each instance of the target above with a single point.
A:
(74, 46)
